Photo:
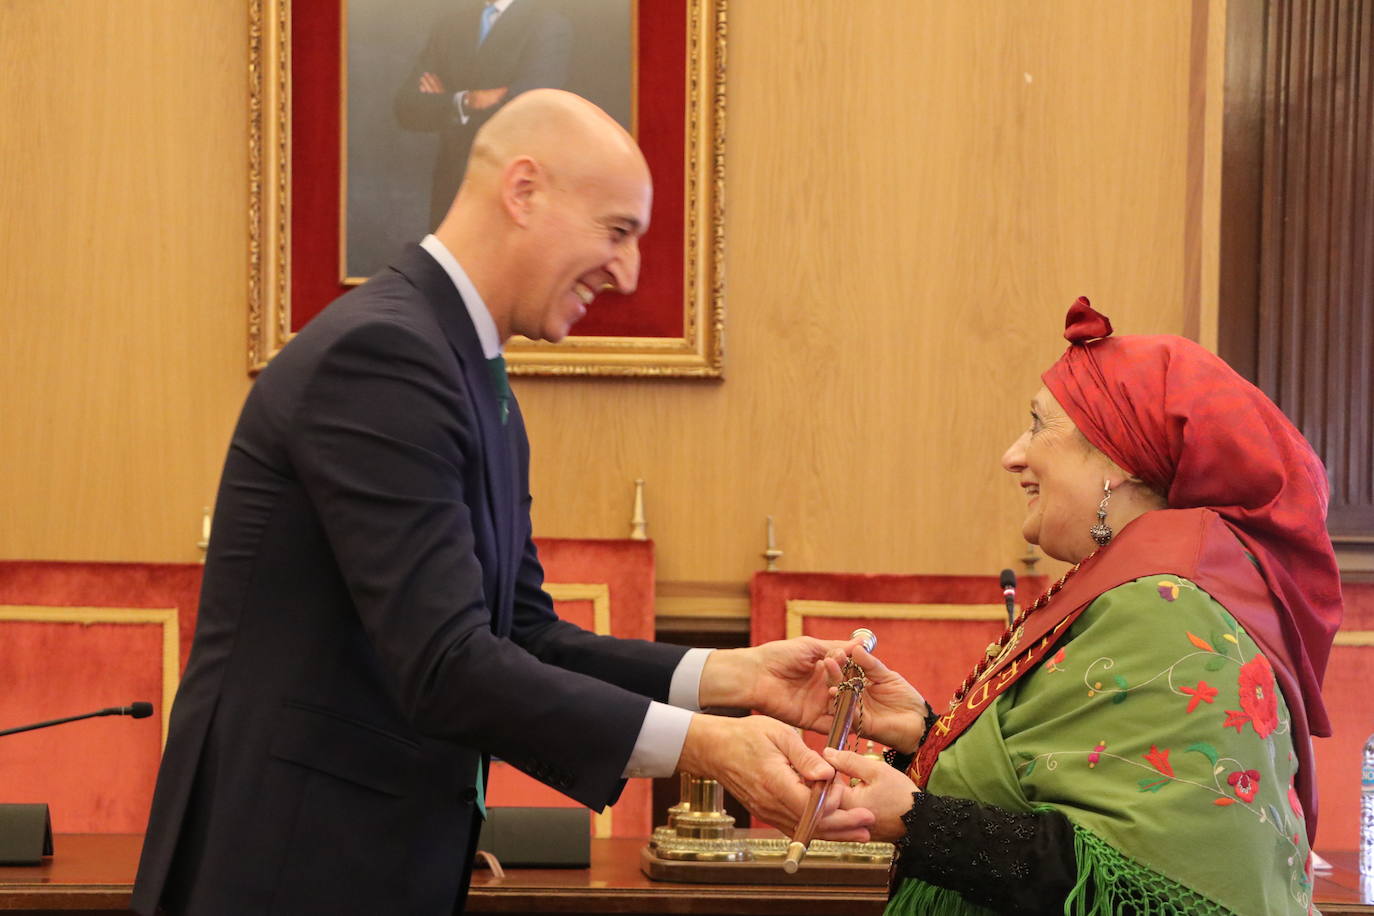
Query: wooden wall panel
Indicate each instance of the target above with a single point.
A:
(913, 199)
(122, 182)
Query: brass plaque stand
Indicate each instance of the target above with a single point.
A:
(701, 845)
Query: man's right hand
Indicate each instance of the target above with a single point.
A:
(767, 766)
(431, 84)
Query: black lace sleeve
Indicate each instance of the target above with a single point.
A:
(896, 758)
(1008, 862)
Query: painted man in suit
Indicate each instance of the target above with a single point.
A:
(478, 57)
(372, 623)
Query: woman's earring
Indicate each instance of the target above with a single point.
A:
(1102, 532)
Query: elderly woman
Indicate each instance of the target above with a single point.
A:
(1138, 739)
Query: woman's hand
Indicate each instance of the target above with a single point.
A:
(894, 711)
(882, 792)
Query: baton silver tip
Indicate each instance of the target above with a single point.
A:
(870, 639)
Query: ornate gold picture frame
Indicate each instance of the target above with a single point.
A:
(694, 350)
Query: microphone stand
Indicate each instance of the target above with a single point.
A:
(848, 707)
(137, 710)
(26, 829)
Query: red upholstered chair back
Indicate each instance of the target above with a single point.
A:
(77, 637)
(931, 629)
(1349, 675)
(74, 638)
(606, 586)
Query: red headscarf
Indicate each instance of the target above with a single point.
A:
(1185, 423)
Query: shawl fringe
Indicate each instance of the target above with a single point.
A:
(1108, 883)
(917, 897)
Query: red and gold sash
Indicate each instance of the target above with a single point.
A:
(1006, 668)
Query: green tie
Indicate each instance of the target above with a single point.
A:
(481, 792)
(497, 365)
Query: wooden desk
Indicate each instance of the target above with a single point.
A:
(90, 873)
(93, 874)
(614, 884)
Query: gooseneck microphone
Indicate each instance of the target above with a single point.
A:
(1008, 583)
(136, 710)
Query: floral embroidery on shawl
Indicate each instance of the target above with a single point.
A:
(1200, 693)
(1258, 696)
(1182, 670)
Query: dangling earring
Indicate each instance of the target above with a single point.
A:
(1102, 532)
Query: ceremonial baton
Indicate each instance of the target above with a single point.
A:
(848, 700)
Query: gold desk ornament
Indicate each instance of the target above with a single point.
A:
(638, 525)
(771, 553)
(698, 828)
(701, 844)
(204, 543)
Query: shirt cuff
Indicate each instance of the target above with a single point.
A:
(684, 691)
(660, 741)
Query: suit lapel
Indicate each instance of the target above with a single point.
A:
(497, 452)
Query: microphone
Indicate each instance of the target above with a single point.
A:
(1008, 583)
(136, 710)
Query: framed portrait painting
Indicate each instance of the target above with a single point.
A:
(359, 125)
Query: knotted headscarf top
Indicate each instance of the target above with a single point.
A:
(1185, 423)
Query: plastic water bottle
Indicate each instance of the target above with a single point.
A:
(1367, 809)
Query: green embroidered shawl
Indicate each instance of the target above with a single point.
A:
(1157, 728)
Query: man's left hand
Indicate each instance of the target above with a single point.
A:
(767, 767)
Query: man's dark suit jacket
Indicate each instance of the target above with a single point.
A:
(527, 48)
(371, 623)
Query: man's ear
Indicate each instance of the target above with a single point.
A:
(521, 182)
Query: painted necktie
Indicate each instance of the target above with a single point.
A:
(489, 14)
(497, 366)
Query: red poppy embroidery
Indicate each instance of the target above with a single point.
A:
(1293, 801)
(1202, 693)
(1258, 695)
(1245, 783)
(1160, 760)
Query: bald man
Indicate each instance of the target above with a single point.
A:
(372, 624)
